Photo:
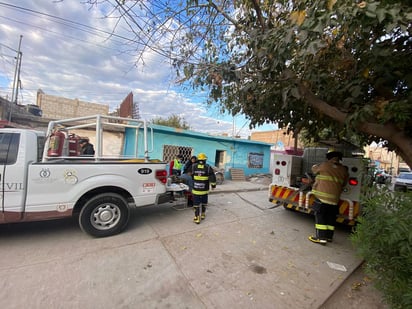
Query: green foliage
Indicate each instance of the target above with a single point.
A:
(354, 56)
(174, 121)
(341, 66)
(383, 237)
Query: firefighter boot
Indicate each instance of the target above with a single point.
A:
(329, 235)
(203, 215)
(196, 219)
(317, 240)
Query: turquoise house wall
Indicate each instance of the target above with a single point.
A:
(237, 151)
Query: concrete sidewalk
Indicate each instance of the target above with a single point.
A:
(245, 254)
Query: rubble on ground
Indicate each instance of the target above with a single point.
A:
(261, 178)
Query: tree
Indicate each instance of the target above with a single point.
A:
(343, 65)
(174, 121)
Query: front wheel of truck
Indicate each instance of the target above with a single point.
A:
(104, 215)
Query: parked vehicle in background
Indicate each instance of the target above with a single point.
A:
(382, 177)
(404, 170)
(403, 182)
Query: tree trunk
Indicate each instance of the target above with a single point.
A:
(389, 132)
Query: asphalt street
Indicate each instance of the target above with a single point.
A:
(245, 254)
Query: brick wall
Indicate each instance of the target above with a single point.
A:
(55, 107)
(275, 136)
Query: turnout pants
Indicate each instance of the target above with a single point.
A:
(325, 219)
(200, 201)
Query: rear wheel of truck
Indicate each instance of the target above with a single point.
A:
(103, 215)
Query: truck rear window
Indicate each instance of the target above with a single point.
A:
(9, 145)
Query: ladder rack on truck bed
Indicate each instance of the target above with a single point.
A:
(62, 142)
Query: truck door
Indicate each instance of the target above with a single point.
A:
(11, 182)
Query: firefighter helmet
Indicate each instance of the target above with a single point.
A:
(201, 156)
(332, 153)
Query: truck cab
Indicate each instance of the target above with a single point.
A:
(18, 149)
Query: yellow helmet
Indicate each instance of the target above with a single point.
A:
(201, 156)
(332, 153)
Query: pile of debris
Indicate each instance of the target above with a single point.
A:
(261, 178)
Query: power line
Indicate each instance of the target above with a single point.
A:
(69, 23)
(55, 33)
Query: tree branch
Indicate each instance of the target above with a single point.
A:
(388, 131)
(259, 14)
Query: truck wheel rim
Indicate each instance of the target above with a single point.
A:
(105, 216)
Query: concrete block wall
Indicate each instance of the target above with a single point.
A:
(274, 137)
(55, 107)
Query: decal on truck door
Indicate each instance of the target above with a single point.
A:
(144, 171)
(149, 187)
(44, 177)
(70, 177)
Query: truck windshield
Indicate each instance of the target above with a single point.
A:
(9, 144)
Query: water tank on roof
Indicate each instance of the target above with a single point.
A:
(34, 110)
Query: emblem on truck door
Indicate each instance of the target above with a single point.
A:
(144, 171)
(70, 177)
(44, 173)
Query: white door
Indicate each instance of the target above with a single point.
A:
(11, 179)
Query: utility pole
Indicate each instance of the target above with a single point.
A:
(16, 81)
(17, 74)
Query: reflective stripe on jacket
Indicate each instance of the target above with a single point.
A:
(177, 165)
(203, 176)
(331, 177)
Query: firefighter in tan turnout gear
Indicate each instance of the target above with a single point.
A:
(331, 177)
(203, 177)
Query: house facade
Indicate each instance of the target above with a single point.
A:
(223, 152)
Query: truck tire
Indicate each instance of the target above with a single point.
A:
(104, 215)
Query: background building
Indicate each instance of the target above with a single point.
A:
(226, 153)
(55, 107)
(280, 139)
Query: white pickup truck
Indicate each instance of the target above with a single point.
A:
(43, 176)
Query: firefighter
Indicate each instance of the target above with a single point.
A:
(203, 176)
(331, 177)
(175, 167)
(187, 177)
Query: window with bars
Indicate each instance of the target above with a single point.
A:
(171, 151)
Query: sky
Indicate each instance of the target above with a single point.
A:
(67, 51)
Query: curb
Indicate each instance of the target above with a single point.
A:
(341, 284)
